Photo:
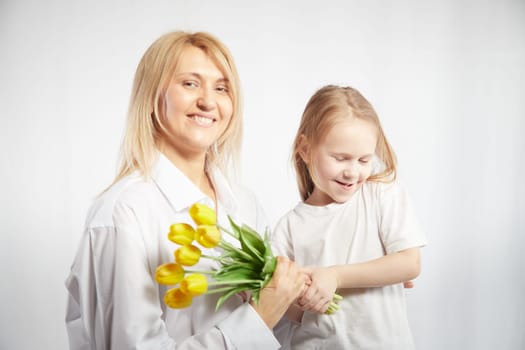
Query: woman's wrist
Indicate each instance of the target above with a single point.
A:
(270, 316)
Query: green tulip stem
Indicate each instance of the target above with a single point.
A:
(232, 282)
(228, 231)
(229, 247)
(202, 272)
(217, 258)
(218, 290)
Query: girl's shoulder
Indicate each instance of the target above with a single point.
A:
(300, 214)
(383, 189)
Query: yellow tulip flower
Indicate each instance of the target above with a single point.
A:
(195, 284)
(187, 255)
(181, 233)
(177, 299)
(169, 273)
(202, 214)
(208, 235)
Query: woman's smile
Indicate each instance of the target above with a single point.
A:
(201, 119)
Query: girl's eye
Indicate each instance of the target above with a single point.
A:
(364, 161)
(339, 158)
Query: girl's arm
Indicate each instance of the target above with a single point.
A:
(389, 269)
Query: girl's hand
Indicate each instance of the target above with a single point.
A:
(320, 291)
(408, 284)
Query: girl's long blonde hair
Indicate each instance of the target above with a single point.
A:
(139, 148)
(326, 107)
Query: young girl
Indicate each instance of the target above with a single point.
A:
(355, 228)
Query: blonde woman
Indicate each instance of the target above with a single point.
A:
(355, 229)
(182, 136)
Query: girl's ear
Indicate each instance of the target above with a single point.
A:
(304, 149)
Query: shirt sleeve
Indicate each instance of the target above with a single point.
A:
(114, 302)
(252, 325)
(284, 331)
(398, 224)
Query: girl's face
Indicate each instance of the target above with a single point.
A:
(342, 161)
(197, 104)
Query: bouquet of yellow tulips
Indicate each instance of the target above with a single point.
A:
(245, 269)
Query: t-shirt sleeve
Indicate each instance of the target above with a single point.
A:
(399, 226)
(281, 240)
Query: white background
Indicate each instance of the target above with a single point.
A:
(446, 77)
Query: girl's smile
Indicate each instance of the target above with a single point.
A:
(344, 184)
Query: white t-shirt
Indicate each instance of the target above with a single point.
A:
(115, 303)
(377, 220)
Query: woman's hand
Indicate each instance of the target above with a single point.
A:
(321, 290)
(287, 284)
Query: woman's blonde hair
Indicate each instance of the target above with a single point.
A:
(327, 106)
(139, 149)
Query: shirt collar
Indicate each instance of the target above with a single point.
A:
(182, 193)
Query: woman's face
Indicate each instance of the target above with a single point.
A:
(198, 105)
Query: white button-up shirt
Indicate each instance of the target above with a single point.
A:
(114, 301)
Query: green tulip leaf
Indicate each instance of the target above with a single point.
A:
(227, 295)
(254, 238)
(235, 227)
(248, 246)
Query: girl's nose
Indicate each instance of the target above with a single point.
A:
(350, 171)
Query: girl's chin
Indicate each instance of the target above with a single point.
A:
(345, 195)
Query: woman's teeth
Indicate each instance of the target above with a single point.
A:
(204, 121)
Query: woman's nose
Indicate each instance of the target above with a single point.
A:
(205, 101)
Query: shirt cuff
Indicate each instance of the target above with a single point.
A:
(245, 329)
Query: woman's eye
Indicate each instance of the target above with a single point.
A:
(222, 89)
(190, 84)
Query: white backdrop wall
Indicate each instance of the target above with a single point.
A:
(446, 77)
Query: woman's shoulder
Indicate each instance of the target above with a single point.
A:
(248, 207)
(241, 191)
(129, 192)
